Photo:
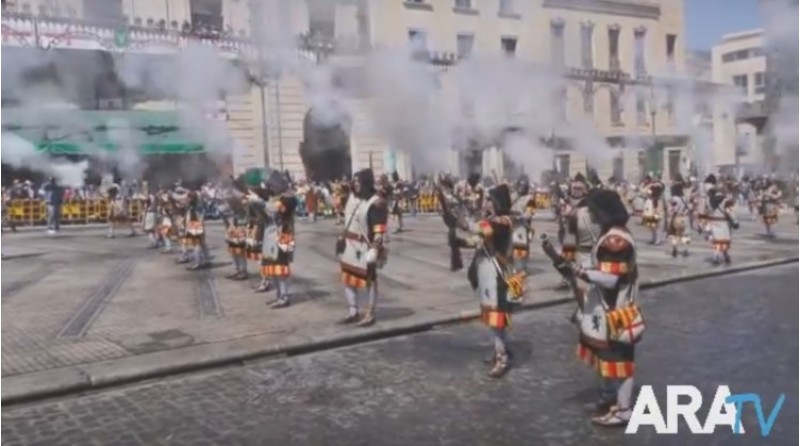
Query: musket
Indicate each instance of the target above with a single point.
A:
(451, 221)
(559, 262)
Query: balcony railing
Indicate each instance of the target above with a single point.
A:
(32, 30)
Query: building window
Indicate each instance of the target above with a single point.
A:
(587, 59)
(465, 42)
(671, 40)
(102, 10)
(641, 109)
(506, 7)
(557, 43)
(206, 16)
(742, 54)
(760, 82)
(588, 99)
(509, 45)
(417, 38)
(613, 48)
(616, 108)
(639, 48)
(741, 82)
(562, 164)
(618, 168)
(464, 4)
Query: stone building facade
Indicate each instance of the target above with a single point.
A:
(612, 51)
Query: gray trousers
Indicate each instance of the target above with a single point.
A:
(53, 217)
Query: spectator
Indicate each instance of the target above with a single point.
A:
(53, 197)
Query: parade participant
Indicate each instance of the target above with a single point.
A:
(361, 248)
(150, 222)
(523, 208)
(653, 191)
(166, 226)
(575, 240)
(396, 204)
(194, 232)
(495, 282)
(473, 193)
(677, 230)
(770, 206)
(719, 223)
(236, 237)
(179, 199)
(309, 191)
(609, 319)
(118, 216)
(278, 207)
(339, 192)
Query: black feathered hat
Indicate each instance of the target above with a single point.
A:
(607, 208)
(473, 179)
(501, 199)
(676, 190)
(366, 181)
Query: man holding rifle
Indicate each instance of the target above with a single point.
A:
(609, 320)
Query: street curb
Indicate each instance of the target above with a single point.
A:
(30, 387)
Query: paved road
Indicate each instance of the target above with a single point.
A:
(431, 388)
(79, 298)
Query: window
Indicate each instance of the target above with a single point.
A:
(760, 83)
(618, 169)
(206, 15)
(588, 100)
(613, 48)
(742, 54)
(102, 10)
(639, 66)
(417, 38)
(507, 7)
(641, 109)
(465, 42)
(671, 40)
(562, 163)
(616, 108)
(741, 82)
(557, 43)
(509, 45)
(464, 4)
(587, 59)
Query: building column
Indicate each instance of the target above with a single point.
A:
(492, 162)
(454, 162)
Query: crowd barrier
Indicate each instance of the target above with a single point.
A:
(33, 212)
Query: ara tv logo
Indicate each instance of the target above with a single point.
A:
(726, 410)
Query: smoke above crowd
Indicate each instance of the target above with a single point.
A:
(390, 94)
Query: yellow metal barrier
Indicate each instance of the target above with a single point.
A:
(34, 212)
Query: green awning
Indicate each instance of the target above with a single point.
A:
(77, 132)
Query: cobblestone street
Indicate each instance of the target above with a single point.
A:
(80, 298)
(431, 388)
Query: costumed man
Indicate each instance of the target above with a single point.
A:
(770, 206)
(194, 232)
(361, 248)
(609, 320)
(311, 199)
(339, 192)
(719, 222)
(278, 207)
(523, 208)
(166, 227)
(653, 192)
(677, 229)
(180, 200)
(572, 240)
(150, 223)
(473, 193)
(236, 237)
(118, 215)
(396, 204)
(497, 285)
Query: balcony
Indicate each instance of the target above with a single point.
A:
(144, 35)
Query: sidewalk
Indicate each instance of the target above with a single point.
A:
(108, 311)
